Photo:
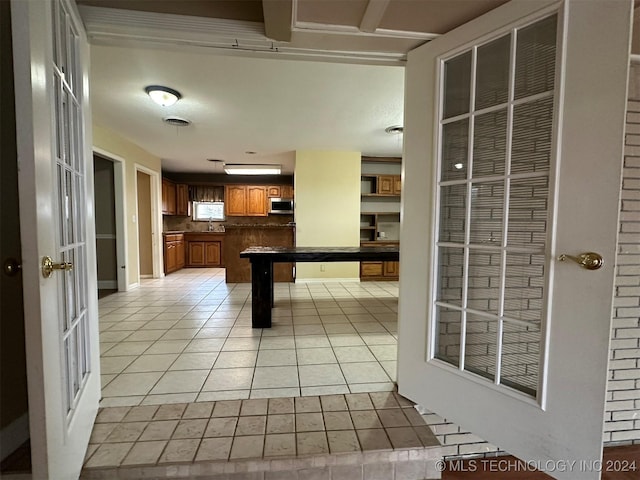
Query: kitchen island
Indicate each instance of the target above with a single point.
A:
(263, 270)
(242, 236)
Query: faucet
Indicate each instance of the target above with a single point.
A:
(210, 228)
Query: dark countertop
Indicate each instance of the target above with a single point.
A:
(259, 225)
(191, 232)
(322, 254)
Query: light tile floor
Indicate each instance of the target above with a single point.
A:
(188, 338)
(237, 430)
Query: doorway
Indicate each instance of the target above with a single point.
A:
(145, 235)
(110, 223)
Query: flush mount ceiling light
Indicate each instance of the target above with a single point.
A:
(164, 96)
(394, 130)
(251, 169)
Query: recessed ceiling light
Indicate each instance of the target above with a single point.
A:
(164, 96)
(177, 121)
(394, 130)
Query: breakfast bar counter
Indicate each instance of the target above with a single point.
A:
(263, 258)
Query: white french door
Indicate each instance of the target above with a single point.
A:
(513, 148)
(57, 232)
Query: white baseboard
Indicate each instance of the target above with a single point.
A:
(327, 280)
(111, 284)
(132, 286)
(147, 275)
(14, 435)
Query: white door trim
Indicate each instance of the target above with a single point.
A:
(122, 254)
(156, 219)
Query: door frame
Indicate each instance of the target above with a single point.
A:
(156, 219)
(122, 254)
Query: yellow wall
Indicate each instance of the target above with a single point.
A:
(132, 154)
(327, 209)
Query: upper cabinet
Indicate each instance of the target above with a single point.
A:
(257, 201)
(286, 191)
(168, 197)
(182, 199)
(235, 200)
(245, 201)
(280, 191)
(175, 198)
(274, 191)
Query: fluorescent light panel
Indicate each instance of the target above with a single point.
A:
(251, 169)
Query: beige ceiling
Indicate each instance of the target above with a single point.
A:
(336, 84)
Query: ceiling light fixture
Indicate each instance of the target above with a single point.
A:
(458, 166)
(251, 169)
(164, 96)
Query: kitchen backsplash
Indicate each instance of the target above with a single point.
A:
(172, 223)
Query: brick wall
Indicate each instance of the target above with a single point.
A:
(622, 418)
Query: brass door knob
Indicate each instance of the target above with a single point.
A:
(588, 260)
(48, 266)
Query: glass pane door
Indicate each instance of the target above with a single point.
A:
(493, 198)
(70, 185)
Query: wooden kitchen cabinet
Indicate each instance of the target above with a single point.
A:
(371, 269)
(180, 260)
(397, 184)
(391, 269)
(182, 199)
(203, 254)
(235, 200)
(168, 197)
(203, 249)
(280, 191)
(274, 191)
(379, 270)
(212, 255)
(286, 191)
(245, 201)
(385, 184)
(256, 201)
(173, 252)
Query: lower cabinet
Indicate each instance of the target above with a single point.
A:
(204, 249)
(173, 252)
(379, 270)
(203, 254)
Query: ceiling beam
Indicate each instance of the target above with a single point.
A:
(373, 15)
(278, 15)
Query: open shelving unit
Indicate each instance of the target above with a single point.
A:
(380, 189)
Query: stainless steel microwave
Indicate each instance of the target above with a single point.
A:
(282, 206)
